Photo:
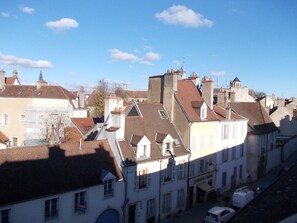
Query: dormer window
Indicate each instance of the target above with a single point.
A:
(203, 111)
(141, 146)
(163, 114)
(165, 142)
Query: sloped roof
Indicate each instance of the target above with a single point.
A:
(85, 124)
(259, 121)
(3, 138)
(191, 101)
(31, 91)
(32, 172)
(222, 113)
(236, 80)
(11, 80)
(148, 125)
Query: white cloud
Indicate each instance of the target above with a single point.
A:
(181, 15)
(218, 73)
(118, 55)
(22, 62)
(27, 10)
(4, 14)
(151, 56)
(62, 24)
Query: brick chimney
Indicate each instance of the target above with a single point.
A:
(207, 91)
(195, 78)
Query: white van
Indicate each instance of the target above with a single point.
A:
(242, 196)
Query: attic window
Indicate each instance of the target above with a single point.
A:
(163, 114)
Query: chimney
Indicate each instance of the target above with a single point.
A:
(2, 79)
(228, 112)
(232, 96)
(169, 87)
(221, 98)
(195, 78)
(280, 102)
(81, 96)
(207, 91)
(110, 104)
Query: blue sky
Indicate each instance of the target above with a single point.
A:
(80, 42)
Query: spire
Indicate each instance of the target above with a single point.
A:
(40, 76)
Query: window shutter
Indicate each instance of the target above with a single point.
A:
(148, 179)
(173, 169)
(136, 182)
(162, 175)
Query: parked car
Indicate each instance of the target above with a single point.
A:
(219, 215)
(242, 196)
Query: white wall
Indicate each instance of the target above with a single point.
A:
(33, 211)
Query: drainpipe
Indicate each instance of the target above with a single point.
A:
(189, 162)
(159, 218)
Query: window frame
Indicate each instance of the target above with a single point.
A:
(108, 188)
(80, 203)
(53, 209)
(5, 215)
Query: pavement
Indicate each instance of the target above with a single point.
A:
(197, 213)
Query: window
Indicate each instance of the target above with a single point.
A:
(234, 131)
(224, 179)
(163, 114)
(108, 188)
(166, 202)
(226, 131)
(51, 209)
(225, 155)
(211, 141)
(192, 168)
(242, 129)
(192, 143)
(5, 216)
(181, 197)
(151, 208)
(242, 150)
(143, 179)
(203, 113)
(80, 204)
(202, 142)
(169, 172)
(202, 166)
(14, 141)
(181, 171)
(5, 119)
(240, 172)
(233, 150)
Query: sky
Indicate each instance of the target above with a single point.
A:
(77, 43)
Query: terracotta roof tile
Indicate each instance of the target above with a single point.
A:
(191, 100)
(149, 124)
(85, 124)
(31, 91)
(259, 121)
(3, 138)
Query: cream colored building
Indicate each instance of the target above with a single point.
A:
(29, 112)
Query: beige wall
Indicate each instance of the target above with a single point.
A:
(14, 107)
(207, 130)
